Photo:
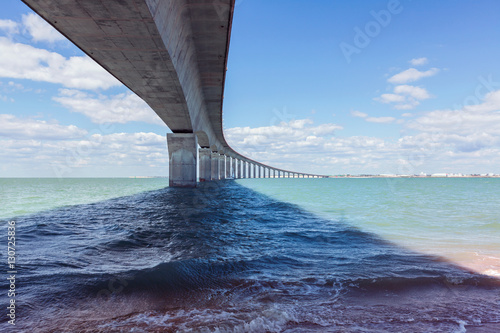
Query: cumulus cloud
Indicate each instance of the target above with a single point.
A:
(313, 148)
(471, 128)
(21, 61)
(115, 154)
(27, 128)
(444, 141)
(405, 97)
(411, 75)
(390, 98)
(412, 91)
(418, 61)
(359, 114)
(9, 26)
(286, 132)
(40, 30)
(121, 108)
(381, 120)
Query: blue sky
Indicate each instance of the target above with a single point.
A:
(331, 87)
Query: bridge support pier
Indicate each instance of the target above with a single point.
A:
(222, 166)
(228, 166)
(215, 166)
(205, 160)
(182, 157)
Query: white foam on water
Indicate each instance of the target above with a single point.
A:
(271, 319)
(461, 328)
(492, 272)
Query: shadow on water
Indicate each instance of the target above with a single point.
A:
(222, 258)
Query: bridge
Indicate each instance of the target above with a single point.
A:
(173, 54)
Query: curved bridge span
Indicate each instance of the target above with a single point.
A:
(173, 54)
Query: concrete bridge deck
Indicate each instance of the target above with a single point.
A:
(173, 54)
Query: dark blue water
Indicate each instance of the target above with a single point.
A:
(223, 258)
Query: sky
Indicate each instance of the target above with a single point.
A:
(317, 86)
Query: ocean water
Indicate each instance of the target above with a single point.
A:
(255, 255)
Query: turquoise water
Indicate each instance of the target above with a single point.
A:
(20, 196)
(254, 255)
(457, 218)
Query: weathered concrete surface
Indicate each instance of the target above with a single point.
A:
(228, 167)
(182, 152)
(171, 53)
(222, 167)
(205, 164)
(215, 166)
(238, 169)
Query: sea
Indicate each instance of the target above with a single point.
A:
(252, 255)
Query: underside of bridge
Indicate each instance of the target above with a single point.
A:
(173, 54)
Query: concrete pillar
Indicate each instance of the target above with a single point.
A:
(222, 166)
(228, 167)
(252, 174)
(182, 157)
(245, 169)
(233, 169)
(238, 169)
(215, 166)
(260, 169)
(205, 160)
(274, 173)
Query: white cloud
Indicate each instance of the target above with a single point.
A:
(381, 120)
(409, 105)
(491, 103)
(121, 108)
(415, 92)
(116, 154)
(295, 130)
(472, 128)
(418, 61)
(21, 61)
(390, 98)
(407, 97)
(442, 144)
(359, 114)
(27, 128)
(411, 75)
(9, 26)
(40, 30)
